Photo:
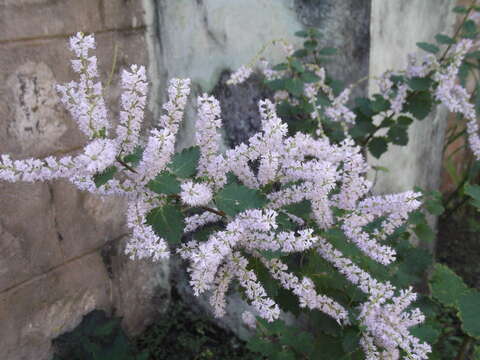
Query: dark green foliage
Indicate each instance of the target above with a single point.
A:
(182, 334)
(165, 183)
(184, 164)
(235, 198)
(431, 48)
(98, 337)
(167, 222)
(378, 146)
(103, 177)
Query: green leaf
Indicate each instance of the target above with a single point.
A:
(294, 86)
(419, 105)
(300, 53)
(398, 135)
(167, 222)
(277, 84)
(280, 67)
(424, 232)
(460, 9)
(103, 177)
(469, 306)
(310, 44)
(310, 77)
(474, 192)
(426, 333)
(327, 51)
(420, 83)
(444, 39)
(446, 286)
(134, 157)
(350, 341)
(164, 183)
(434, 205)
(404, 121)
(297, 65)
(377, 146)
(235, 198)
(301, 209)
(431, 48)
(302, 33)
(301, 342)
(263, 346)
(469, 28)
(380, 104)
(184, 164)
(107, 328)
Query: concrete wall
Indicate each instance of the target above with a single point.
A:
(396, 27)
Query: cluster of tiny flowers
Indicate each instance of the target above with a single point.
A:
(84, 99)
(195, 194)
(133, 101)
(387, 327)
(455, 97)
(240, 76)
(288, 169)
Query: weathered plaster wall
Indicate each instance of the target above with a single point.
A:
(61, 251)
(396, 27)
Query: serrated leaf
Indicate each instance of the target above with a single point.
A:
(474, 192)
(426, 333)
(469, 306)
(235, 198)
(164, 183)
(379, 103)
(167, 222)
(103, 177)
(294, 86)
(420, 83)
(377, 146)
(262, 346)
(431, 48)
(277, 84)
(301, 33)
(327, 51)
(280, 67)
(310, 77)
(419, 105)
(310, 44)
(297, 65)
(404, 121)
(424, 232)
(444, 39)
(460, 9)
(184, 164)
(350, 341)
(301, 209)
(446, 286)
(398, 135)
(134, 158)
(470, 28)
(300, 341)
(300, 53)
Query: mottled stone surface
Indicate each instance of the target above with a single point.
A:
(345, 25)
(61, 250)
(239, 104)
(48, 305)
(396, 28)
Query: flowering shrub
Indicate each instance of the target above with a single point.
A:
(288, 215)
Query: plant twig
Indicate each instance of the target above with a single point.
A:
(125, 165)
